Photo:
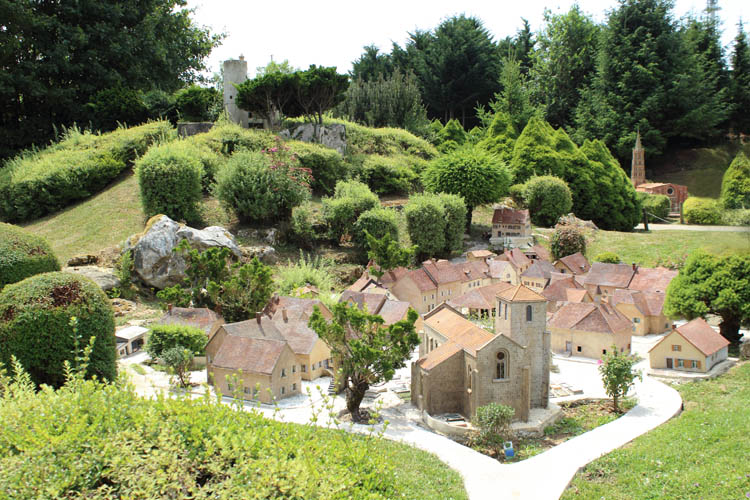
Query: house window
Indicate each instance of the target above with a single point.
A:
(283, 372)
(424, 299)
(303, 368)
(501, 368)
(506, 311)
(578, 349)
(294, 368)
(636, 320)
(246, 390)
(681, 363)
(208, 358)
(666, 325)
(283, 390)
(294, 387)
(528, 313)
(604, 351)
(676, 348)
(469, 375)
(694, 364)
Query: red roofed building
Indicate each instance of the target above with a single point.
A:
(644, 309)
(573, 264)
(589, 330)
(508, 222)
(676, 193)
(694, 346)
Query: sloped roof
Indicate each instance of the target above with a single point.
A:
(437, 356)
(482, 297)
(577, 263)
(541, 252)
(517, 258)
(589, 317)
(606, 274)
(655, 279)
(373, 301)
(421, 279)
(558, 289)
(362, 283)
(480, 254)
(198, 317)
(474, 270)
(442, 271)
(647, 185)
(296, 308)
(393, 276)
(576, 295)
(701, 335)
(498, 269)
(301, 338)
(648, 303)
(456, 328)
(252, 328)
(507, 215)
(393, 311)
(539, 269)
(251, 355)
(520, 293)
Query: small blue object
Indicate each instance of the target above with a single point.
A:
(508, 449)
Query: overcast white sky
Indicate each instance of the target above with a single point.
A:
(333, 32)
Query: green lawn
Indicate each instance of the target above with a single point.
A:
(703, 453)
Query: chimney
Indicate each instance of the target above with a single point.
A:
(284, 315)
(674, 327)
(635, 268)
(169, 309)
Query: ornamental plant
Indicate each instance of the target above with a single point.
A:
(618, 374)
(547, 198)
(23, 254)
(165, 337)
(567, 240)
(493, 422)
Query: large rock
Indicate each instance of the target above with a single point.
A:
(154, 259)
(745, 350)
(331, 136)
(102, 276)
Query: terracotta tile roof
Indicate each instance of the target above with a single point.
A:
(589, 317)
(480, 254)
(560, 276)
(517, 258)
(300, 337)
(251, 328)
(701, 335)
(648, 303)
(480, 298)
(392, 276)
(421, 279)
(198, 317)
(251, 355)
(605, 274)
(501, 269)
(457, 329)
(557, 291)
(442, 271)
(393, 311)
(648, 279)
(506, 215)
(474, 270)
(437, 356)
(373, 301)
(520, 293)
(577, 263)
(647, 185)
(296, 308)
(576, 295)
(361, 283)
(539, 269)
(542, 253)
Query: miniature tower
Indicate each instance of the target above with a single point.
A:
(521, 314)
(638, 165)
(235, 71)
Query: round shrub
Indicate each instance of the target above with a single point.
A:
(701, 211)
(170, 177)
(165, 337)
(23, 254)
(350, 200)
(210, 162)
(378, 222)
(198, 104)
(517, 193)
(567, 240)
(608, 257)
(35, 326)
(547, 198)
(455, 221)
(259, 187)
(425, 221)
(389, 175)
(326, 165)
(735, 185)
(302, 227)
(658, 205)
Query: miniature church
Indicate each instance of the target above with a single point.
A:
(676, 193)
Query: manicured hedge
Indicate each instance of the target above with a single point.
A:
(226, 137)
(735, 185)
(389, 175)
(426, 224)
(23, 254)
(164, 337)
(378, 222)
(701, 211)
(35, 326)
(350, 200)
(170, 177)
(35, 184)
(658, 205)
(327, 165)
(547, 198)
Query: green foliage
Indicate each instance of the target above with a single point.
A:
(124, 272)
(302, 230)
(210, 161)
(57, 57)
(739, 85)
(709, 284)
(162, 338)
(493, 421)
(198, 104)
(567, 240)
(245, 293)
(387, 254)
(455, 222)
(36, 328)
(307, 270)
(391, 100)
(350, 200)
(112, 106)
(262, 186)
(271, 95)
(326, 165)
(514, 101)
(517, 193)
(471, 172)
(38, 183)
(608, 257)
(618, 375)
(23, 254)
(735, 186)
(226, 137)
(389, 175)
(319, 90)
(377, 222)
(367, 351)
(426, 224)
(501, 137)
(547, 198)
(701, 211)
(739, 217)
(170, 177)
(659, 205)
(178, 359)
(453, 132)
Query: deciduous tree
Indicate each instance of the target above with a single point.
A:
(618, 374)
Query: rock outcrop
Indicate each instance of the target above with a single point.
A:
(102, 276)
(331, 136)
(154, 260)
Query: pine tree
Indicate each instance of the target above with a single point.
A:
(740, 83)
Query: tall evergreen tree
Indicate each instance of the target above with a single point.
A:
(371, 64)
(740, 83)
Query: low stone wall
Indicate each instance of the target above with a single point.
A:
(186, 129)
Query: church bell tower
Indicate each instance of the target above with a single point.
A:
(638, 165)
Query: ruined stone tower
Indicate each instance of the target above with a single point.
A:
(235, 71)
(638, 165)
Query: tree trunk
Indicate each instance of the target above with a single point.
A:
(730, 329)
(469, 215)
(355, 393)
(614, 403)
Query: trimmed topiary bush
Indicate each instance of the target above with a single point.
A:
(198, 104)
(701, 211)
(739, 217)
(389, 175)
(227, 137)
(23, 254)
(567, 240)
(210, 161)
(608, 257)
(326, 165)
(302, 227)
(350, 200)
(455, 222)
(426, 223)
(735, 186)
(517, 193)
(164, 337)
(655, 204)
(378, 222)
(170, 178)
(35, 326)
(261, 187)
(547, 198)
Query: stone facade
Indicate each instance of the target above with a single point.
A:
(677, 193)
(235, 71)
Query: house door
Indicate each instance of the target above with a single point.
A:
(568, 346)
(669, 362)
